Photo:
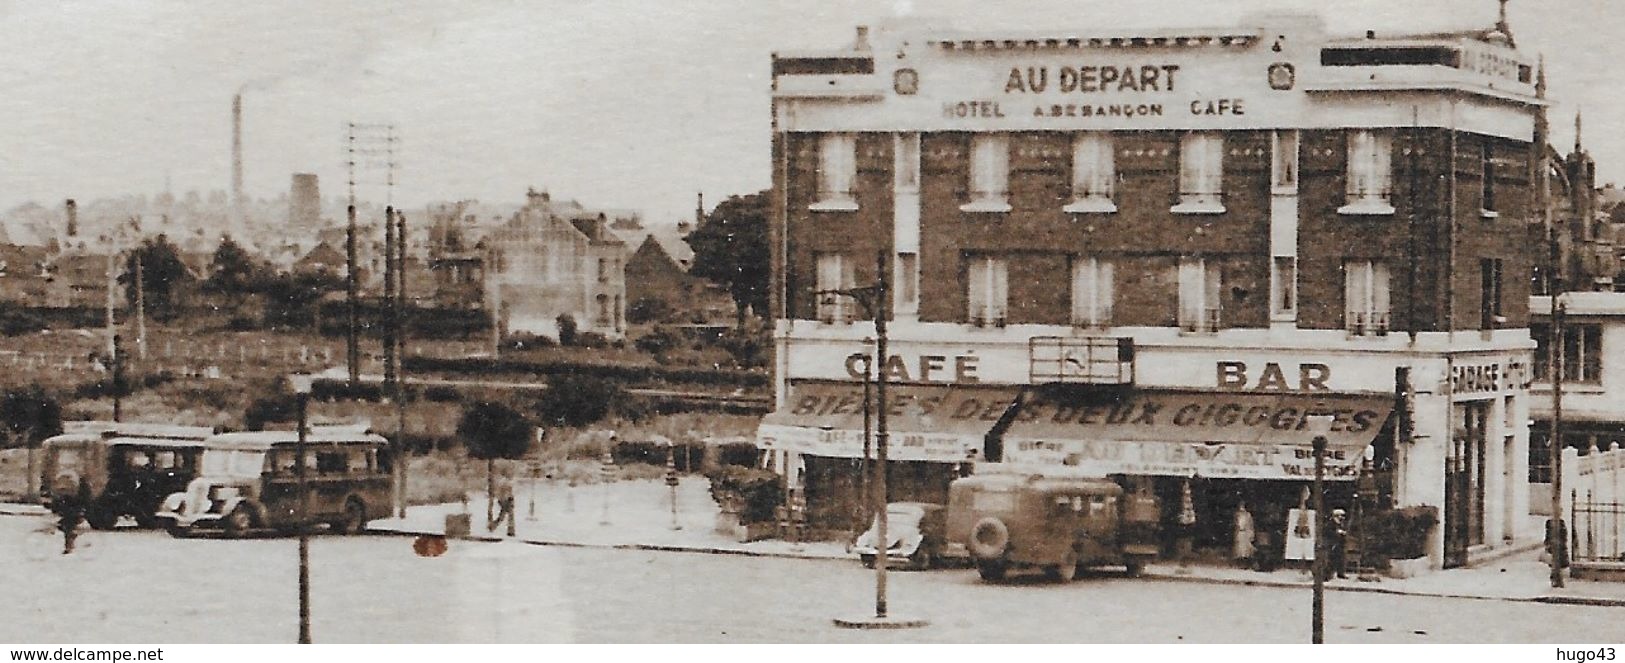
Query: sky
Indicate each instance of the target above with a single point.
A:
(616, 103)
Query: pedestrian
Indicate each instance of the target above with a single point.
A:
(1242, 548)
(1184, 542)
(1265, 551)
(505, 510)
(1337, 532)
(69, 504)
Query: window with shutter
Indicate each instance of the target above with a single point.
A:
(989, 174)
(837, 171)
(1201, 173)
(1370, 172)
(1094, 173)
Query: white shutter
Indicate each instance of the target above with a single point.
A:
(999, 298)
(990, 165)
(1379, 289)
(1105, 291)
(977, 295)
(1382, 165)
(1356, 294)
(837, 167)
(1191, 289)
(1093, 165)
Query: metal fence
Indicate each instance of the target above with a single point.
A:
(1596, 529)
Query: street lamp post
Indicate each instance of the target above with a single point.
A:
(1320, 425)
(301, 390)
(874, 300)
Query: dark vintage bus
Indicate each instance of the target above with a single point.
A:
(129, 468)
(249, 481)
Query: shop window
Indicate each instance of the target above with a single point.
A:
(837, 171)
(1489, 306)
(908, 283)
(989, 291)
(1094, 173)
(989, 174)
(835, 272)
(907, 171)
(1284, 161)
(1370, 173)
(1091, 292)
(1200, 285)
(1582, 352)
(1366, 297)
(1201, 173)
(1486, 206)
(1284, 288)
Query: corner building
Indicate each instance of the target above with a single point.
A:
(1149, 255)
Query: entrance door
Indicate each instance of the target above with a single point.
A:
(1456, 506)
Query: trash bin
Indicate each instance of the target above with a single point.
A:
(457, 524)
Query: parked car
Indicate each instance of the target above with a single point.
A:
(916, 534)
(129, 468)
(1056, 525)
(250, 481)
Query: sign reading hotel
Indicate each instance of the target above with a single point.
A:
(1197, 87)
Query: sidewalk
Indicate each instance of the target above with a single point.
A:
(639, 518)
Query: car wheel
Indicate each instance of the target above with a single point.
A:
(868, 561)
(1061, 572)
(239, 521)
(102, 519)
(1134, 567)
(146, 521)
(921, 559)
(174, 528)
(991, 570)
(355, 517)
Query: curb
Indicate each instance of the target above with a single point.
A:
(651, 547)
(21, 509)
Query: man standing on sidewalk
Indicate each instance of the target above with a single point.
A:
(69, 504)
(504, 505)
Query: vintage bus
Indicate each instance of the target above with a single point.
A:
(250, 481)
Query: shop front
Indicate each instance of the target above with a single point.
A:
(1217, 460)
(826, 435)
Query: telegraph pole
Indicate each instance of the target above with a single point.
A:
(401, 452)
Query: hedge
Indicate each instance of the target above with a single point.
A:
(629, 373)
(1400, 533)
(755, 493)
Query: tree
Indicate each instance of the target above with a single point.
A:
(578, 400)
(491, 431)
(232, 271)
(32, 414)
(162, 274)
(567, 329)
(292, 298)
(731, 248)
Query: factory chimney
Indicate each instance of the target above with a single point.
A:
(237, 203)
(73, 218)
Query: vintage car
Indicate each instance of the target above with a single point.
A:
(1057, 525)
(250, 481)
(917, 533)
(129, 468)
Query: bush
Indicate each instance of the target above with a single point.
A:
(17, 321)
(441, 393)
(526, 341)
(239, 323)
(737, 454)
(749, 350)
(593, 340)
(578, 400)
(1401, 533)
(266, 409)
(627, 452)
(567, 329)
(494, 430)
(755, 493)
(658, 342)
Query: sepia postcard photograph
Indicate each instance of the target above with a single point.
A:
(1063, 322)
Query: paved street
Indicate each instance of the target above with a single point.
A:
(145, 586)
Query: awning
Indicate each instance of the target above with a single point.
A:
(943, 423)
(1185, 433)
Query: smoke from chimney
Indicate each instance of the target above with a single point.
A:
(237, 157)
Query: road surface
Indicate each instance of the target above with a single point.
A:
(131, 586)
